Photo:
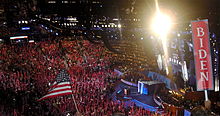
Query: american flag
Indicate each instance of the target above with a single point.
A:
(60, 87)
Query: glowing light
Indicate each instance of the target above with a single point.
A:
(161, 23)
(119, 25)
(31, 41)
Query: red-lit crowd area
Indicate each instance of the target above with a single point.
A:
(28, 71)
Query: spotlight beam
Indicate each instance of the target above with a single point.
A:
(161, 25)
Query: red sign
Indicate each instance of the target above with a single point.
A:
(202, 55)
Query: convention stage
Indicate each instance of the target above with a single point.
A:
(127, 93)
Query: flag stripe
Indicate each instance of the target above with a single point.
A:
(51, 96)
(57, 84)
(60, 94)
(54, 91)
(57, 93)
(58, 88)
(61, 85)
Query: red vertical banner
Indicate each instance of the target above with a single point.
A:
(202, 55)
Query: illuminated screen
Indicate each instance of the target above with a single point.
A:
(25, 28)
(18, 37)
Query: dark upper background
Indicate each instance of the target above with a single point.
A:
(183, 10)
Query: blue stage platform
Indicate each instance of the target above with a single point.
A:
(133, 97)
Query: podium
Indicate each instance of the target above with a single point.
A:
(149, 87)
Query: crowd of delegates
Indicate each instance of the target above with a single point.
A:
(134, 55)
(28, 71)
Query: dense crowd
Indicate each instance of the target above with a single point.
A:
(28, 71)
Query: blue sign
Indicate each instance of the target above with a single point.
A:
(25, 28)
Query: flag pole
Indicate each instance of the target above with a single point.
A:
(75, 103)
(73, 98)
(206, 95)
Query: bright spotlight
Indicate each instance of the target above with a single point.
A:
(161, 24)
(119, 25)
